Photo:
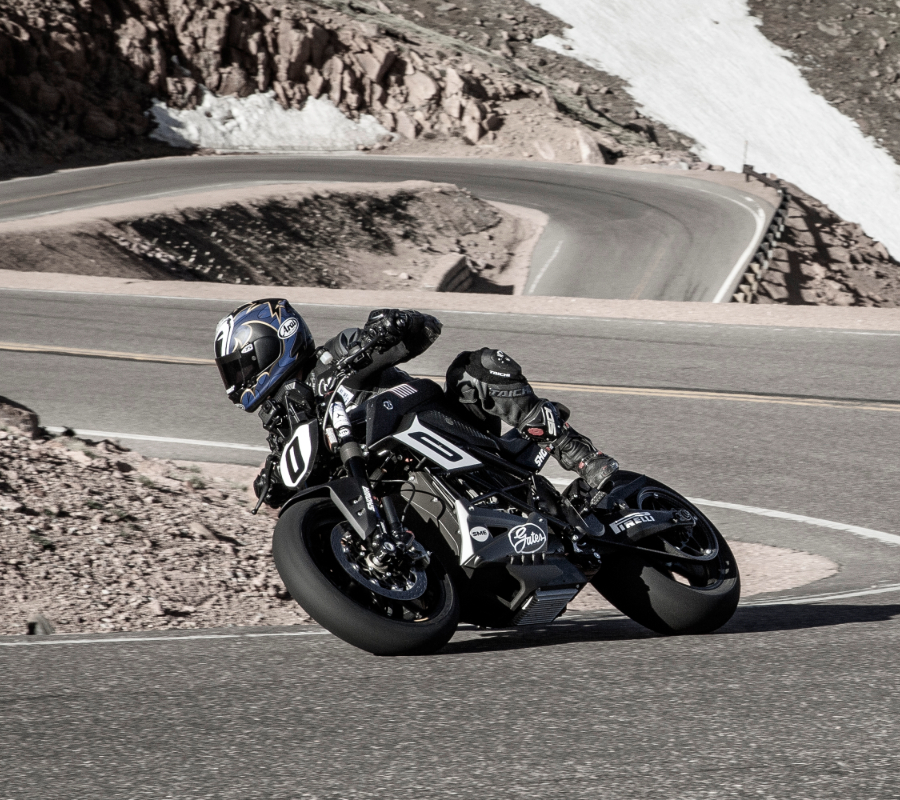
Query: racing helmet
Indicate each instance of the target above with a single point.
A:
(259, 345)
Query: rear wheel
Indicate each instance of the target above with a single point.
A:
(407, 612)
(670, 595)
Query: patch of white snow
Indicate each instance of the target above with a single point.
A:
(259, 123)
(702, 67)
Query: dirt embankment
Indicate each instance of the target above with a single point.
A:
(97, 538)
(392, 236)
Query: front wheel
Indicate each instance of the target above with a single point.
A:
(669, 595)
(405, 619)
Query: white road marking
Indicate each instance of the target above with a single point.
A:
(759, 217)
(549, 261)
(121, 639)
(822, 598)
(868, 533)
(169, 439)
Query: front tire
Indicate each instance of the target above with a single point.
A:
(666, 595)
(302, 551)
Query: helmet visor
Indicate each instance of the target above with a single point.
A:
(241, 369)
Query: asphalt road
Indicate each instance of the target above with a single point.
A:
(612, 233)
(786, 701)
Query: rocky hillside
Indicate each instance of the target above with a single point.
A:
(848, 52)
(824, 260)
(77, 78)
(387, 236)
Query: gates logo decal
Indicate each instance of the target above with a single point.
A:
(527, 538)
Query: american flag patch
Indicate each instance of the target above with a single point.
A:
(403, 390)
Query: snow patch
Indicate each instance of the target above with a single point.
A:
(258, 122)
(702, 67)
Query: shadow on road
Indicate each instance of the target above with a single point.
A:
(747, 619)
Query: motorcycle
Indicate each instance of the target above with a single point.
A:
(399, 519)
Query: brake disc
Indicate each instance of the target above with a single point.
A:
(402, 582)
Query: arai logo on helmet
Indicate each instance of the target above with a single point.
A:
(479, 534)
(527, 538)
(288, 328)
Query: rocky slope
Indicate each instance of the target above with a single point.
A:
(848, 52)
(824, 260)
(386, 236)
(77, 78)
(94, 538)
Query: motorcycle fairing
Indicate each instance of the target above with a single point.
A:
(385, 410)
(437, 448)
(495, 537)
(299, 454)
(351, 498)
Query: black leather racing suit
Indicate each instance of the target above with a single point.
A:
(487, 383)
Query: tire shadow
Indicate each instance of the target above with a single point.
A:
(747, 619)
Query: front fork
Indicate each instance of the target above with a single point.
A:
(390, 537)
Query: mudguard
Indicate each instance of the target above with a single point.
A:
(350, 497)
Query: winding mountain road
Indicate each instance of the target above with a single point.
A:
(612, 233)
(796, 697)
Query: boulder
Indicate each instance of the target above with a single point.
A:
(234, 81)
(472, 130)
(589, 149)
(407, 126)
(421, 88)
(375, 64)
(18, 418)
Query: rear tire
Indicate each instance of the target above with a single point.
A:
(644, 587)
(302, 552)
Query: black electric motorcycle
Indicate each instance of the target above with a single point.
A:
(399, 519)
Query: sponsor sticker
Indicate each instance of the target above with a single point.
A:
(288, 328)
(388, 405)
(247, 348)
(480, 534)
(346, 394)
(630, 521)
(527, 538)
(369, 502)
(541, 457)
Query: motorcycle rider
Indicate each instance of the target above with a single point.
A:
(263, 344)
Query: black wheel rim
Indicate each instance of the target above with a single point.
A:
(699, 541)
(317, 534)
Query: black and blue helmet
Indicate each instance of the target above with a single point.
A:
(259, 345)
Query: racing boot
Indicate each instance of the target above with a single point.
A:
(574, 451)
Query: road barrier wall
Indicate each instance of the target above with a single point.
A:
(748, 286)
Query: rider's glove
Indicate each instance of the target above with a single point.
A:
(388, 326)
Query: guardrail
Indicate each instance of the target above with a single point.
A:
(759, 264)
